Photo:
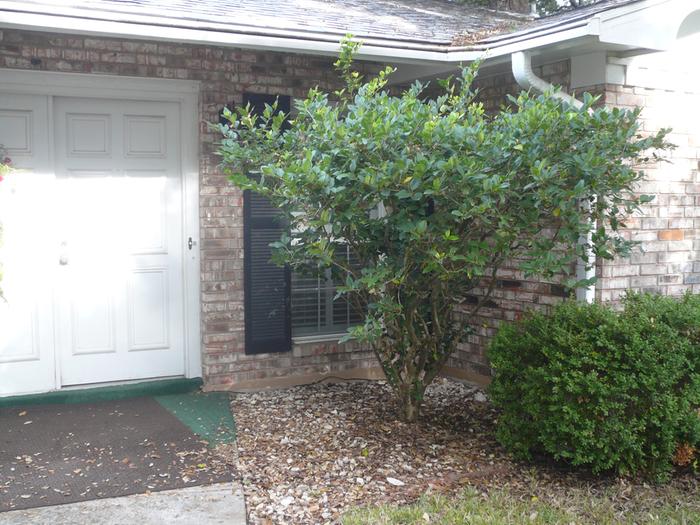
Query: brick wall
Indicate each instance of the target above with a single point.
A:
(669, 227)
(224, 75)
(514, 294)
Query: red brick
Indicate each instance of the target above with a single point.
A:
(671, 235)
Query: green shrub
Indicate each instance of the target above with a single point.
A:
(604, 389)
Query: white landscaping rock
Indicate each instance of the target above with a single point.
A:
(480, 397)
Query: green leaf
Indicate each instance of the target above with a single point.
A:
(462, 193)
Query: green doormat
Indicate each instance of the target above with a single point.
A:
(207, 414)
(160, 387)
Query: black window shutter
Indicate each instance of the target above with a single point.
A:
(258, 101)
(268, 322)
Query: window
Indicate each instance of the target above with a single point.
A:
(279, 305)
(315, 311)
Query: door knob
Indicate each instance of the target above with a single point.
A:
(63, 257)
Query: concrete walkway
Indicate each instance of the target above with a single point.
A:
(222, 503)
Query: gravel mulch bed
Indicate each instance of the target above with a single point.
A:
(308, 454)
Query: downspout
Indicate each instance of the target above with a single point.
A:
(525, 77)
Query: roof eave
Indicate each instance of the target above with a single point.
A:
(615, 26)
(287, 41)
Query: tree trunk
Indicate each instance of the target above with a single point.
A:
(411, 399)
(415, 346)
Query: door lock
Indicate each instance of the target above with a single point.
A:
(190, 243)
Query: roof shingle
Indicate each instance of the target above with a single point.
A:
(434, 22)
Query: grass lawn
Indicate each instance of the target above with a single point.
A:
(663, 505)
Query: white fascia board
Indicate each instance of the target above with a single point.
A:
(505, 49)
(78, 26)
(617, 26)
(371, 50)
(651, 25)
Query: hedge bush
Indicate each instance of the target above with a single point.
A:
(611, 390)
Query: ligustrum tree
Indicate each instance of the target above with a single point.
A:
(433, 197)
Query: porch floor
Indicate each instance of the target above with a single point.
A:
(56, 454)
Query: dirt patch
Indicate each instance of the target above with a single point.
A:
(308, 454)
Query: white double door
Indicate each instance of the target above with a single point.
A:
(93, 242)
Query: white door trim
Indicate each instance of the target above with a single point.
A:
(186, 93)
(96, 85)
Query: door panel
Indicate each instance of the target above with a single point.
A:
(27, 251)
(120, 298)
(148, 309)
